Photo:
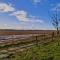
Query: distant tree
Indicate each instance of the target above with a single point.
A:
(56, 21)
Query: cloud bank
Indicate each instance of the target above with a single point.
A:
(6, 8)
(25, 17)
(20, 15)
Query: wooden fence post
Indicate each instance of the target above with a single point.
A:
(36, 41)
(44, 36)
(52, 36)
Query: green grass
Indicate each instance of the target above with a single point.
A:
(47, 51)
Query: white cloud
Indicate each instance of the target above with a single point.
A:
(25, 17)
(35, 19)
(7, 26)
(35, 2)
(20, 15)
(6, 7)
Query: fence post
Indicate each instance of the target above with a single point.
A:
(44, 36)
(57, 33)
(52, 36)
(36, 41)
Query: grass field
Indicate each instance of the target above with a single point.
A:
(44, 51)
(49, 51)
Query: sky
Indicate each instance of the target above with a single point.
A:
(27, 14)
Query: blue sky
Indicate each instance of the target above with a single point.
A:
(27, 14)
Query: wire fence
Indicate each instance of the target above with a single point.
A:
(33, 40)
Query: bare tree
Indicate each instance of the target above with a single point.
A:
(56, 21)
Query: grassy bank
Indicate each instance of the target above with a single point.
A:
(48, 51)
(45, 51)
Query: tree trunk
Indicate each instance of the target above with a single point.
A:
(57, 31)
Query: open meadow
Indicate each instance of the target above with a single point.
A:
(35, 45)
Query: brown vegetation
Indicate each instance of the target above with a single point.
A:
(20, 32)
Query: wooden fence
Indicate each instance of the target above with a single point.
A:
(39, 39)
